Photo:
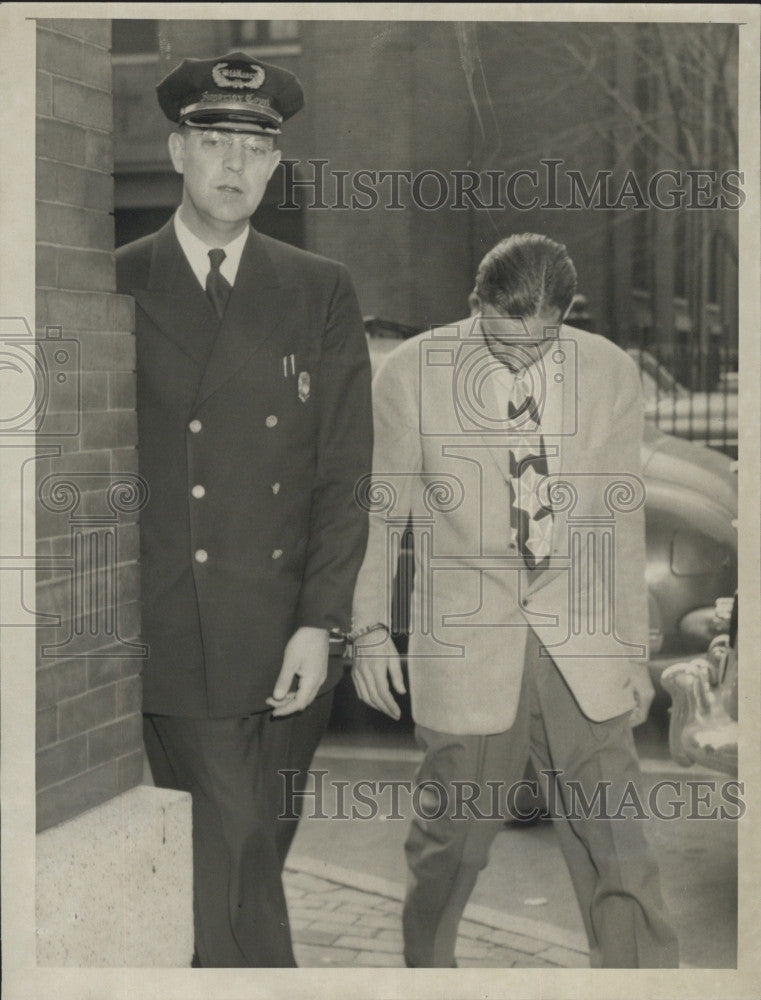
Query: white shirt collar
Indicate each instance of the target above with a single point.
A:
(507, 378)
(550, 401)
(197, 252)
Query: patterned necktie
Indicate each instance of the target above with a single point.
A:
(218, 288)
(530, 517)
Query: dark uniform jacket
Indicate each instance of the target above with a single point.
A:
(252, 435)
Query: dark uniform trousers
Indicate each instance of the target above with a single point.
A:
(271, 542)
(232, 769)
(614, 875)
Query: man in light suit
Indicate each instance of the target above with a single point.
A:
(513, 444)
(254, 423)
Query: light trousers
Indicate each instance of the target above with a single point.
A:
(614, 874)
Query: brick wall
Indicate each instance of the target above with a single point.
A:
(88, 494)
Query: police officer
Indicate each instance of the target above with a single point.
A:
(254, 424)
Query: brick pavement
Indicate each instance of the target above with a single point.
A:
(341, 918)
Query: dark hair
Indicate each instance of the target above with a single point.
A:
(526, 274)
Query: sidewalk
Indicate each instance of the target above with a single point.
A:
(343, 919)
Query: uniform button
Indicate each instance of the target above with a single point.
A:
(524, 602)
(277, 553)
(276, 488)
(195, 426)
(271, 420)
(198, 492)
(201, 555)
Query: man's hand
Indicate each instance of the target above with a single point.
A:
(373, 664)
(305, 657)
(644, 692)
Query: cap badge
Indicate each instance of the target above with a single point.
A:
(237, 76)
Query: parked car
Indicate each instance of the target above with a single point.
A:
(709, 418)
(703, 726)
(691, 538)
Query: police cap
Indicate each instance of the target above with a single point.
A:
(235, 90)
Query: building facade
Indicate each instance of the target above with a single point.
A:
(422, 144)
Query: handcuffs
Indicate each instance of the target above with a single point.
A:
(350, 638)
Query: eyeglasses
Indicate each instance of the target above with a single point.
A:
(221, 143)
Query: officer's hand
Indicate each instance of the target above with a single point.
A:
(644, 692)
(306, 657)
(374, 663)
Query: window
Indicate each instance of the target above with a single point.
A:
(263, 33)
(641, 252)
(281, 31)
(714, 267)
(245, 32)
(681, 255)
(129, 37)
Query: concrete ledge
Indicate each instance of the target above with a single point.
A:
(114, 884)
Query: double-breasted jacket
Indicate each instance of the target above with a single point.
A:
(252, 433)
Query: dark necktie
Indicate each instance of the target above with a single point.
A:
(218, 288)
(530, 513)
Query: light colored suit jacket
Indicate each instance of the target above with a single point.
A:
(441, 457)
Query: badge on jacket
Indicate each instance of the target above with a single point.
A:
(303, 383)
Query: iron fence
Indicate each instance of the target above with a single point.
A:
(690, 391)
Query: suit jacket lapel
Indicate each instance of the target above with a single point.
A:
(570, 453)
(256, 310)
(498, 442)
(567, 461)
(569, 411)
(175, 301)
(483, 401)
